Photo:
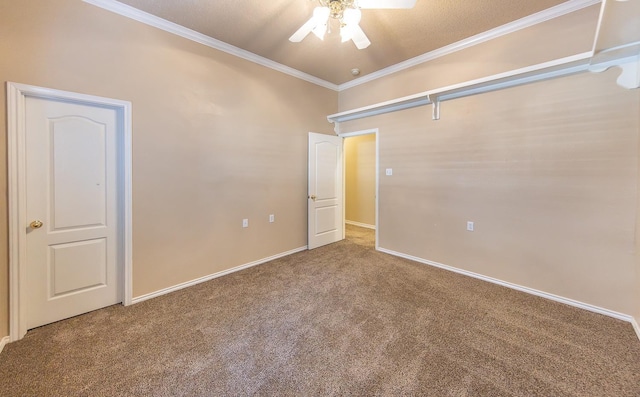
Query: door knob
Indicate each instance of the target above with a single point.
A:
(313, 197)
(36, 224)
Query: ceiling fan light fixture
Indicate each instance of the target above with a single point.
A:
(321, 14)
(337, 7)
(321, 19)
(352, 16)
(349, 14)
(351, 19)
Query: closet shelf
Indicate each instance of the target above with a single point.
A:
(560, 67)
(611, 48)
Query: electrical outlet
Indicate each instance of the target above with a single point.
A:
(245, 223)
(272, 218)
(470, 226)
(389, 171)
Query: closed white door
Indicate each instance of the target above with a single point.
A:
(326, 198)
(71, 209)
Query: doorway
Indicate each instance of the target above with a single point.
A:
(361, 181)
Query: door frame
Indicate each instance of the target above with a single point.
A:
(16, 156)
(344, 179)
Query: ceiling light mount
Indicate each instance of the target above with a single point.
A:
(349, 14)
(337, 7)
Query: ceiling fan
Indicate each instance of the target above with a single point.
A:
(349, 14)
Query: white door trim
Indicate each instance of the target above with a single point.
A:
(344, 200)
(16, 106)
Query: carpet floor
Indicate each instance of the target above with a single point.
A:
(339, 320)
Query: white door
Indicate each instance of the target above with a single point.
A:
(326, 223)
(71, 209)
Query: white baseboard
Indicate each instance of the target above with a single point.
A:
(3, 342)
(180, 286)
(366, 225)
(566, 301)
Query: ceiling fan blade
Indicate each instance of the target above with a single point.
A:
(316, 24)
(304, 30)
(359, 38)
(386, 3)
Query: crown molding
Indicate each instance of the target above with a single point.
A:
(189, 34)
(528, 21)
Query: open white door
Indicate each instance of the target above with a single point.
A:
(325, 197)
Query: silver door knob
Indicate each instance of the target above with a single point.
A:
(36, 224)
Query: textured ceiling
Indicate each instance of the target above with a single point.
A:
(263, 27)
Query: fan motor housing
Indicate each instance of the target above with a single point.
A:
(337, 7)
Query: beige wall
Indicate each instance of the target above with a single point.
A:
(215, 139)
(360, 179)
(548, 172)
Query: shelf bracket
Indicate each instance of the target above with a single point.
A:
(435, 112)
(629, 77)
(336, 126)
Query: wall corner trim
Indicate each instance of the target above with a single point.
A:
(3, 342)
(636, 327)
(189, 34)
(556, 298)
(209, 277)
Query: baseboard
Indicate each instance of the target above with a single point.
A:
(366, 225)
(187, 284)
(566, 301)
(3, 342)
